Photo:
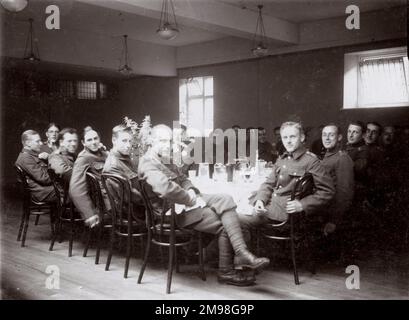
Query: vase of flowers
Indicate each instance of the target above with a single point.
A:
(141, 135)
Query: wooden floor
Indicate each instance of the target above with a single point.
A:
(23, 274)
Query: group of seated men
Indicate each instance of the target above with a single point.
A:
(333, 180)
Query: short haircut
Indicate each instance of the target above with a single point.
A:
(25, 136)
(120, 128)
(332, 124)
(53, 124)
(160, 127)
(374, 123)
(359, 124)
(63, 132)
(86, 130)
(261, 128)
(297, 125)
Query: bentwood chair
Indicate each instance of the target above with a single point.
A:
(94, 188)
(293, 230)
(67, 214)
(126, 223)
(163, 232)
(31, 207)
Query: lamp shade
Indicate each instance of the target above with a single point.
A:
(260, 50)
(14, 5)
(167, 32)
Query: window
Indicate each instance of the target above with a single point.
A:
(86, 90)
(196, 105)
(377, 78)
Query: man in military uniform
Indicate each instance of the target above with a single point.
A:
(91, 158)
(341, 169)
(216, 214)
(62, 159)
(272, 198)
(358, 151)
(119, 160)
(265, 148)
(38, 180)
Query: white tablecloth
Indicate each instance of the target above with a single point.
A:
(239, 190)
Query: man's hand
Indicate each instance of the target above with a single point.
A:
(193, 196)
(259, 207)
(43, 156)
(329, 228)
(294, 206)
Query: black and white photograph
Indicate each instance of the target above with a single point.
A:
(212, 151)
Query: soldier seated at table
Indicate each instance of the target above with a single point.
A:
(50, 144)
(39, 182)
(91, 158)
(119, 161)
(217, 215)
(62, 159)
(272, 198)
(341, 169)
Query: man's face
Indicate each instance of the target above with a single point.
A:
(262, 136)
(330, 137)
(372, 133)
(69, 142)
(354, 134)
(123, 143)
(34, 143)
(91, 141)
(52, 134)
(292, 138)
(162, 142)
(388, 135)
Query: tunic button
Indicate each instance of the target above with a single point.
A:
(289, 158)
(294, 173)
(280, 176)
(284, 166)
(274, 195)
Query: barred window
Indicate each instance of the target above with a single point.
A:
(87, 90)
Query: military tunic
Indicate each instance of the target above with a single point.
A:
(341, 169)
(277, 188)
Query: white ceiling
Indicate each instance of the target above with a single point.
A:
(237, 18)
(299, 11)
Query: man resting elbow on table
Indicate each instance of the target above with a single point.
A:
(217, 217)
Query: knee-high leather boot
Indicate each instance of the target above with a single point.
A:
(227, 274)
(243, 257)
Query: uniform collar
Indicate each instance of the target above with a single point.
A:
(30, 152)
(296, 154)
(357, 145)
(332, 152)
(119, 155)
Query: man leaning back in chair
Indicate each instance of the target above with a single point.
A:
(218, 216)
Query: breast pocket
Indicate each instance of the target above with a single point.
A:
(296, 172)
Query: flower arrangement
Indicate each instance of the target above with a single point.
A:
(141, 136)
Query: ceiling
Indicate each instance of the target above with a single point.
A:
(199, 20)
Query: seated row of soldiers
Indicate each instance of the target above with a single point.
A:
(333, 176)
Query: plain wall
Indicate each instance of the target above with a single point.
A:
(307, 86)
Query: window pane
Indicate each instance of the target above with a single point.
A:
(195, 87)
(383, 81)
(86, 90)
(209, 86)
(208, 116)
(195, 114)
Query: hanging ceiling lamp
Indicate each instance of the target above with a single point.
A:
(259, 40)
(166, 30)
(31, 55)
(125, 69)
(14, 5)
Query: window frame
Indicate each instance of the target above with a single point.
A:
(203, 97)
(352, 77)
